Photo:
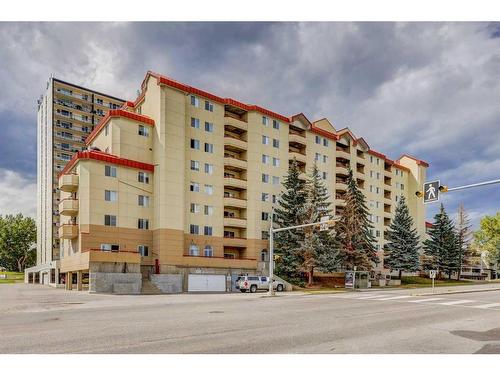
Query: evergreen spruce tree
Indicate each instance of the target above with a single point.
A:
(354, 230)
(442, 244)
(287, 243)
(464, 238)
(401, 250)
(318, 248)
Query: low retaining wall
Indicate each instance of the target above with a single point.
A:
(117, 283)
(167, 283)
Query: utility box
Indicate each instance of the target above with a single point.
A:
(357, 279)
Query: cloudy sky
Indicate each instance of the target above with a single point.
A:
(428, 89)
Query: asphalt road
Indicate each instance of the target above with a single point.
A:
(38, 319)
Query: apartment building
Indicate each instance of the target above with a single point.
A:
(177, 188)
(67, 114)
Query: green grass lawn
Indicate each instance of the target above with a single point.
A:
(12, 277)
(418, 282)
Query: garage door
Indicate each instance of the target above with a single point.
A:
(206, 283)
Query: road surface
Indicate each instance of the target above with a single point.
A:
(38, 319)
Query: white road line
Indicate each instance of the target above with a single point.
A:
(391, 298)
(457, 302)
(426, 300)
(487, 306)
(375, 296)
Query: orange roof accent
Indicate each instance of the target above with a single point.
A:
(108, 158)
(419, 162)
(428, 224)
(118, 113)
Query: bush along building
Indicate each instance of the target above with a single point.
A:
(177, 189)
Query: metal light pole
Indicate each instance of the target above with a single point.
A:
(271, 256)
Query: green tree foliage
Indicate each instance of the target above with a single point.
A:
(318, 249)
(401, 250)
(487, 239)
(354, 230)
(287, 243)
(17, 242)
(442, 246)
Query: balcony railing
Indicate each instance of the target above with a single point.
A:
(68, 231)
(235, 202)
(68, 207)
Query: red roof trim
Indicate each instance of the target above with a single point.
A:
(419, 162)
(193, 90)
(118, 113)
(324, 133)
(428, 224)
(108, 158)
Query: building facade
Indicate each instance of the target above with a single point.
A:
(177, 188)
(67, 114)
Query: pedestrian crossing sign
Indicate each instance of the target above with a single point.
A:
(431, 191)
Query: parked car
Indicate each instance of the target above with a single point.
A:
(254, 283)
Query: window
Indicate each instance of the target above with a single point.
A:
(265, 140)
(325, 142)
(110, 220)
(274, 198)
(317, 156)
(209, 168)
(142, 223)
(209, 127)
(143, 201)
(378, 190)
(195, 144)
(195, 208)
(209, 189)
(229, 256)
(207, 231)
(318, 140)
(378, 175)
(110, 247)
(265, 159)
(371, 174)
(371, 188)
(396, 198)
(106, 130)
(265, 235)
(276, 180)
(143, 177)
(209, 147)
(208, 250)
(265, 178)
(209, 210)
(377, 233)
(193, 250)
(265, 120)
(265, 216)
(371, 159)
(194, 229)
(325, 175)
(377, 204)
(276, 143)
(195, 101)
(109, 171)
(265, 197)
(402, 186)
(194, 187)
(195, 123)
(276, 125)
(209, 106)
(143, 250)
(372, 204)
(228, 234)
(195, 165)
(110, 195)
(378, 161)
(276, 162)
(144, 131)
(325, 158)
(263, 255)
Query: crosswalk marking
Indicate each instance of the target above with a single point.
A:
(426, 300)
(391, 298)
(487, 306)
(456, 302)
(374, 297)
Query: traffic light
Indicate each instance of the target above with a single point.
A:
(419, 194)
(443, 189)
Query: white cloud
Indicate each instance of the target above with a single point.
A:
(17, 194)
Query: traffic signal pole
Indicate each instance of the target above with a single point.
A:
(485, 183)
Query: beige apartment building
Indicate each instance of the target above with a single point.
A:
(177, 188)
(67, 114)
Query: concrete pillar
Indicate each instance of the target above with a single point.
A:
(69, 280)
(57, 276)
(79, 277)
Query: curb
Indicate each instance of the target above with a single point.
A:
(457, 292)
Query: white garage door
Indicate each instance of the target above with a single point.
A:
(206, 283)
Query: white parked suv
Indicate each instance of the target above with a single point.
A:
(254, 283)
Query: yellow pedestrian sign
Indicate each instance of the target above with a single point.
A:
(431, 191)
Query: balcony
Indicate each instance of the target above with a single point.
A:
(235, 222)
(387, 194)
(342, 148)
(235, 202)
(68, 183)
(68, 207)
(233, 142)
(300, 157)
(234, 241)
(341, 183)
(235, 163)
(235, 183)
(387, 181)
(68, 231)
(219, 262)
(342, 167)
(387, 208)
(235, 123)
(297, 138)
